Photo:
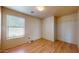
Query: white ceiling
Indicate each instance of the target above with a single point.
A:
(49, 10)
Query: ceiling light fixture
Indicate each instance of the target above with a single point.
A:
(40, 8)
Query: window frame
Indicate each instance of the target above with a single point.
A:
(7, 31)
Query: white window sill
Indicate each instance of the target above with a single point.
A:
(9, 38)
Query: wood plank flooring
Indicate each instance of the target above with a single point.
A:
(44, 46)
(63, 47)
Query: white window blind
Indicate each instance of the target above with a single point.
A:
(16, 27)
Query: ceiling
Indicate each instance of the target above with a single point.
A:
(49, 10)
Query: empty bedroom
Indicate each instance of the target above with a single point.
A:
(39, 29)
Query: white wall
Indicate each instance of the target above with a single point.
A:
(48, 28)
(66, 28)
(33, 28)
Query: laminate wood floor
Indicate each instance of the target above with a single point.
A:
(44, 46)
(63, 47)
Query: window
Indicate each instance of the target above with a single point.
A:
(15, 27)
